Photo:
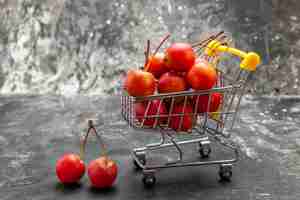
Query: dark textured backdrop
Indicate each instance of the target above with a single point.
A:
(68, 47)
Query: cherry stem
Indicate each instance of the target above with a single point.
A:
(161, 43)
(147, 52)
(84, 142)
(207, 40)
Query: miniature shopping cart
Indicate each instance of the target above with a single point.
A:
(208, 127)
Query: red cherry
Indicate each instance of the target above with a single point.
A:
(215, 102)
(187, 119)
(156, 65)
(202, 76)
(171, 82)
(69, 168)
(141, 107)
(180, 57)
(139, 83)
(102, 172)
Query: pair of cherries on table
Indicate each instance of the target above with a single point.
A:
(102, 171)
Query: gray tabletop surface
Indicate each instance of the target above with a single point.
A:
(36, 130)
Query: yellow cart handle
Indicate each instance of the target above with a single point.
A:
(249, 61)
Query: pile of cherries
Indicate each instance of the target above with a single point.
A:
(176, 69)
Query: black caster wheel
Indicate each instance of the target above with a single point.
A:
(225, 172)
(137, 166)
(149, 180)
(204, 149)
(142, 158)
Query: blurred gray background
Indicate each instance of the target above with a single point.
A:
(69, 47)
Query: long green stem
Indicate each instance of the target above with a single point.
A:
(84, 141)
(207, 40)
(147, 52)
(161, 43)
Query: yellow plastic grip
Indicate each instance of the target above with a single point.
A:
(249, 61)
